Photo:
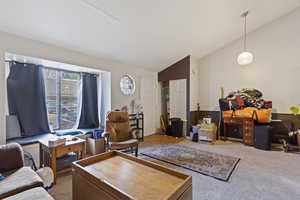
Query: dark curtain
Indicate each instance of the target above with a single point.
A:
(26, 98)
(89, 117)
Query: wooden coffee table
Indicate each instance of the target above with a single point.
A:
(118, 176)
(49, 155)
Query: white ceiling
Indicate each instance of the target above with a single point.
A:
(145, 33)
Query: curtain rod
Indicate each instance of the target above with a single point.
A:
(51, 68)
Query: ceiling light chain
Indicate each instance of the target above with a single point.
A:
(245, 58)
(245, 31)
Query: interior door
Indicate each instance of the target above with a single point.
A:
(178, 99)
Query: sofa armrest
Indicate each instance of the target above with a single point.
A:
(13, 156)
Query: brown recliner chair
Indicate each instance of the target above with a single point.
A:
(18, 179)
(119, 133)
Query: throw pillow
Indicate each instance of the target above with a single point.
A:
(13, 129)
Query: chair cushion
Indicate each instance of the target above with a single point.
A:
(125, 144)
(64, 132)
(35, 193)
(30, 140)
(23, 179)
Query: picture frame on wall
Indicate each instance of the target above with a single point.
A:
(127, 85)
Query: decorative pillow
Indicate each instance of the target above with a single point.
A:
(13, 129)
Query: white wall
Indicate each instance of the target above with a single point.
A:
(194, 84)
(275, 70)
(21, 46)
(2, 104)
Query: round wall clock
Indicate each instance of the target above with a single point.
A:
(127, 85)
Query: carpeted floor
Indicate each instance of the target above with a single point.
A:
(260, 175)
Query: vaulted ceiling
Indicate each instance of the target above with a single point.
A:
(145, 33)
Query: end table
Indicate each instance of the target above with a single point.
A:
(49, 155)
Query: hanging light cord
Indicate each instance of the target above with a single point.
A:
(245, 33)
(244, 15)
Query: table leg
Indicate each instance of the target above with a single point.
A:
(83, 151)
(225, 130)
(53, 163)
(41, 156)
(136, 150)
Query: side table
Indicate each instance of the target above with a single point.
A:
(49, 155)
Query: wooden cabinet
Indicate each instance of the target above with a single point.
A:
(247, 126)
(117, 176)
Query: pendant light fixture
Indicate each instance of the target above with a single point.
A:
(246, 57)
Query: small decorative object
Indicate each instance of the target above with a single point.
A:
(124, 109)
(207, 120)
(57, 141)
(294, 110)
(97, 134)
(138, 108)
(132, 106)
(127, 85)
(245, 58)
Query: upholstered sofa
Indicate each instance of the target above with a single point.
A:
(20, 182)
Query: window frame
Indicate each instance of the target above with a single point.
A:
(58, 84)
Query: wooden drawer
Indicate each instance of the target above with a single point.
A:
(233, 120)
(69, 148)
(248, 137)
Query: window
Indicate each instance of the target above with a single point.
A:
(62, 98)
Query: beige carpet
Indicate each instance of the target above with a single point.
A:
(260, 175)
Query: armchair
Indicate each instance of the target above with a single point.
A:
(13, 156)
(18, 178)
(119, 133)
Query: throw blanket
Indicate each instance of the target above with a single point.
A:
(250, 98)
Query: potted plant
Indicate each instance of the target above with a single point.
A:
(295, 110)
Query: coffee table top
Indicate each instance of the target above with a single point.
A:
(69, 141)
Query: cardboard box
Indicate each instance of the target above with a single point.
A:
(94, 147)
(207, 132)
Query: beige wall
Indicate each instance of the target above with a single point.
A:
(275, 70)
(194, 84)
(18, 45)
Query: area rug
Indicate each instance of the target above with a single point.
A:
(207, 163)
